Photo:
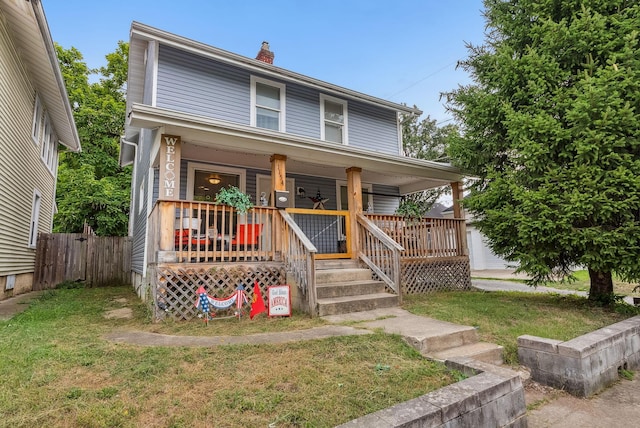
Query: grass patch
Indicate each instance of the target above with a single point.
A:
(503, 316)
(581, 282)
(56, 370)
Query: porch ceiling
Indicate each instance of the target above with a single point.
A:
(233, 144)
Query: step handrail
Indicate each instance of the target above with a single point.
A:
(380, 253)
(299, 259)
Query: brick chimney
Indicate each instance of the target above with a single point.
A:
(265, 55)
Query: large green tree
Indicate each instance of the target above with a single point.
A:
(424, 139)
(551, 127)
(92, 187)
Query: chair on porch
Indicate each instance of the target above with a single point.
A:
(181, 237)
(197, 241)
(247, 236)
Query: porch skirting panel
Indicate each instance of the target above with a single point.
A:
(426, 275)
(174, 288)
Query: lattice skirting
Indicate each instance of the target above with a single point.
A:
(435, 274)
(174, 290)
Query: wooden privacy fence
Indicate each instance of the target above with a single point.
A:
(94, 260)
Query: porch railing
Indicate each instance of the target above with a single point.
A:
(425, 237)
(381, 253)
(207, 232)
(299, 257)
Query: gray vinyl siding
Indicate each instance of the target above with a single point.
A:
(197, 85)
(373, 128)
(21, 168)
(303, 111)
(140, 214)
(193, 84)
(311, 185)
(385, 204)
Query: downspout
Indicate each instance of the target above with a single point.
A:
(133, 174)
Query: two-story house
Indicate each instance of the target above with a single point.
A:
(323, 165)
(35, 118)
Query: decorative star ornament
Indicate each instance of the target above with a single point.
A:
(318, 201)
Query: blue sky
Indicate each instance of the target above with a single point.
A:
(403, 50)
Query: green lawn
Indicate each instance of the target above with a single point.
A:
(57, 370)
(503, 316)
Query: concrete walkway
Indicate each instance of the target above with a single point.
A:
(154, 339)
(15, 305)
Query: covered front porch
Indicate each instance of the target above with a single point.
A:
(284, 246)
(314, 201)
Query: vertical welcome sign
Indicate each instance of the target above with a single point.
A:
(169, 167)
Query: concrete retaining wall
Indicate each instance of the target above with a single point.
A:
(587, 364)
(492, 397)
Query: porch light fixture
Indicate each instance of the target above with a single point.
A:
(301, 193)
(214, 179)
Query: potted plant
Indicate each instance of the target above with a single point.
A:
(234, 197)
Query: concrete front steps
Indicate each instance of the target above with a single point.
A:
(435, 339)
(343, 287)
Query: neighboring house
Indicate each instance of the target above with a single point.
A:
(481, 257)
(35, 117)
(323, 163)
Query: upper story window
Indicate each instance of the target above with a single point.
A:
(267, 104)
(35, 216)
(44, 136)
(37, 119)
(333, 113)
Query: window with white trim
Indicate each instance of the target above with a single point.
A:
(267, 104)
(333, 115)
(44, 141)
(37, 117)
(52, 152)
(35, 215)
(43, 135)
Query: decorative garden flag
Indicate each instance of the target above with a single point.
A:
(257, 304)
(206, 303)
(202, 302)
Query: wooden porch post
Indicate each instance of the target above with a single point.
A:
(354, 194)
(169, 183)
(278, 174)
(166, 226)
(168, 189)
(456, 190)
(278, 182)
